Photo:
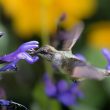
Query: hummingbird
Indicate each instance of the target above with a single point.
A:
(68, 63)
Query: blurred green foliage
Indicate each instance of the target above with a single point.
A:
(25, 86)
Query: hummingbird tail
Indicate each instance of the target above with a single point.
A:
(107, 73)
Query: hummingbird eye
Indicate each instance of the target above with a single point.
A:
(44, 52)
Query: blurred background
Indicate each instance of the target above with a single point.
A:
(25, 20)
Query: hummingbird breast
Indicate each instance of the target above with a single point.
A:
(57, 60)
(60, 61)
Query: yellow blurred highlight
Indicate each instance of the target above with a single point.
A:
(30, 16)
(99, 36)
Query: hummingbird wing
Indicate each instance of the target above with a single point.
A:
(64, 39)
(81, 69)
(72, 36)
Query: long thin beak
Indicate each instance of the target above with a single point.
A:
(35, 52)
(38, 51)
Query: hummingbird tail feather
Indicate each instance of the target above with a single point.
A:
(107, 73)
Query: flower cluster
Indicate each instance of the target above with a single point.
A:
(20, 53)
(64, 92)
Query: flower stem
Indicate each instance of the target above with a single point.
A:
(44, 33)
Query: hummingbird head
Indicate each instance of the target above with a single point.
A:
(46, 52)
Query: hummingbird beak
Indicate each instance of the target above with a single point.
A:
(37, 52)
(34, 52)
(40, 52)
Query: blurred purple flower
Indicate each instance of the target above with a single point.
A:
(50, 88)
(20, 53)
(67, 98)
(4, 102)
(106, 53)
(9, 67)
(10, 105)
(62, 86)
(64, 92)
(81, 57)
(75, 90)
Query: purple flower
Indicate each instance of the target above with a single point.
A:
(50, 88)
(62, 86)
(106, 53)
(4, 102)
(20, 53)
(67, 98)
(81, 57)
(70, 94)
(10, 105)
(75, 90)
(66, 93)
(9, 67)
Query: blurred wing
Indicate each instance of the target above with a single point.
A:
(84, 70)
(72, 36)
(65, 40)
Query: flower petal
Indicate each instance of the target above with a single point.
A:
(50, 89)
(9, 67)
(31, 43)
(10, 105)
(19, 53)
(62, 86)
(106, 53)
(27, 57)
(81, 57)
(4, 102)
(26, 47)
(67, 98)
(75, 90)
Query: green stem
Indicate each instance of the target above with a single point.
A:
(44, 32)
